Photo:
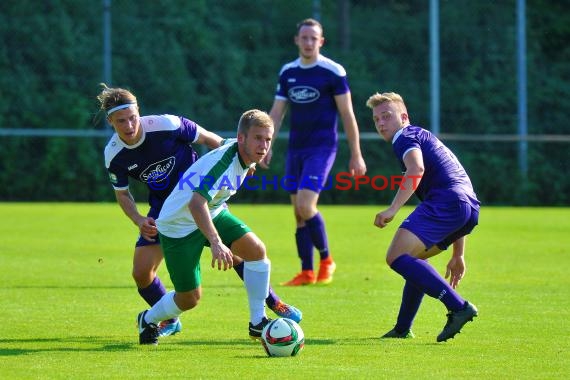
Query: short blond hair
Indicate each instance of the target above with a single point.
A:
(254, 118)
(377, 99)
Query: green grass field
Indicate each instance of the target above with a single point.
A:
(69, 303)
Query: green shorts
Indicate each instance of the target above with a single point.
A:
(182, 255)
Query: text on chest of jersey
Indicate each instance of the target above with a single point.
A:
(158, 171)
(303, 94)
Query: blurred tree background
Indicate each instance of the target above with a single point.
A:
(211, 60)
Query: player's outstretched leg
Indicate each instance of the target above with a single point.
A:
(456, 320)
(422, 275)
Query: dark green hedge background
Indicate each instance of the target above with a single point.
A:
(211, 60)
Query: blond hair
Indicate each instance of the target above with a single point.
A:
(253, 118)
(377, 99)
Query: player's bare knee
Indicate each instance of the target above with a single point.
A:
(391, 257)
(187, 300)
(258, 251)
(306, 212)
(143, 278)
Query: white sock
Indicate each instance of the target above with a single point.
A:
(256, 280)
(164, 309)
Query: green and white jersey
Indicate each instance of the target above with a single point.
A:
(216, 176)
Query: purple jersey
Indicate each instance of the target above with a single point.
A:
(310, 92)
(158, 159)
(444, 177)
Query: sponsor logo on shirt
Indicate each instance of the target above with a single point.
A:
(134, 166)
(158, 171)
(303, 94)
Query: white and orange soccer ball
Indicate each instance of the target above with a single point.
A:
(282, 337)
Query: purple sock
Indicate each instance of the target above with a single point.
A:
(411, 301)
(271, 299)
(304, 247)
(319, 238)
(426, 279)
(154, 292)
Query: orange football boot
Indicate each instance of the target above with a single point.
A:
(306, 277)
(326, 271)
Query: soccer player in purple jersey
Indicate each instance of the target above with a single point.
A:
(156, 150)
(316, 90)
(449, 210)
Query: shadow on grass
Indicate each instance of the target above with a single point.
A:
(17, 347)
(244, 342)
(71, 344)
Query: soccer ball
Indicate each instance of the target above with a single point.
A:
(282, 337)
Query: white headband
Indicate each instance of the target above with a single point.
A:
(122, 106)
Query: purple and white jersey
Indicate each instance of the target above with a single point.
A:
(158, 159)
(444, 177)
(310, 92)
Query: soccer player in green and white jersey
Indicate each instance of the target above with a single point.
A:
(194, 216)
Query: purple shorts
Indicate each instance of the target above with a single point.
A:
(308, 170)
(441, 223)
(141, 242)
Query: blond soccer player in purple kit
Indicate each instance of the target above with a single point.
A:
(156, 150)
(449, 210)
(316, 91)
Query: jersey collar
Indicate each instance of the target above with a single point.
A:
(310, 65)
(397, 134)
